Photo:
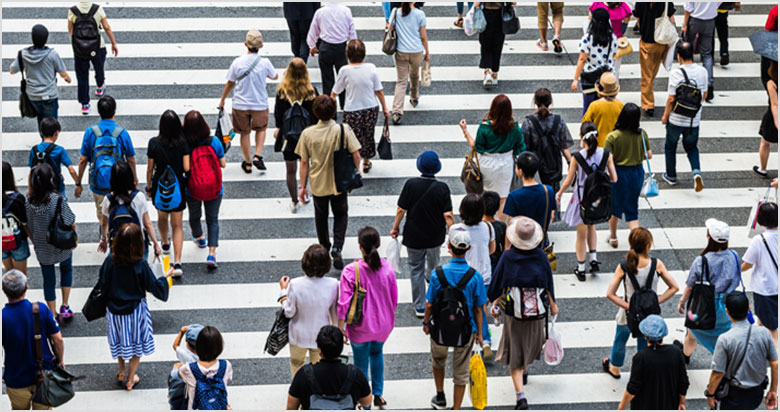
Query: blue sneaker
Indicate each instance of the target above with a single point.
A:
(201, 243)
(671, 180)
(211, 263)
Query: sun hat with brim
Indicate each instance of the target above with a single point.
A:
(607, 85)
(653, 328)
(524, 233)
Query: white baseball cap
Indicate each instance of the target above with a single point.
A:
(459, 237)
(719, 231)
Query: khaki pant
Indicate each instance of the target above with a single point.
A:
(650, 57)
(541, 12)
(98, 206)
(460, 360)
(21, 398)
(407, 67)
(298, 358)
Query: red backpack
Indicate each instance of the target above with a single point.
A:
(205, 182)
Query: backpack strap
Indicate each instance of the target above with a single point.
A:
(685, 76)
(92, 10)
(604, 159)
(49, 149)
(538, 126)
(441, 277)
(346, 387)
(649, 281)
(308, 370)
(705, 269)
(466, 278)
(556, 124)
(76, 12)
(96, 130)
(769, 250)
(582, 163)
(38, 336)
(631, 277)
(196, 373)
(222, 369)
(117, 131)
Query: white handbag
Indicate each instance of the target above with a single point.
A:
(665, 31)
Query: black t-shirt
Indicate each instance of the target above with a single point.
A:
(658, 378)
(500, 229)
(330, 375)
(425, 226)
(164, 156)
(647, 15)
(18, 209)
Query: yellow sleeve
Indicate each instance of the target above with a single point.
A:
(71, 16)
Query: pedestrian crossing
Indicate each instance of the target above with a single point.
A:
(174, 55)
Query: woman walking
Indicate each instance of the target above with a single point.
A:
(198, 134)
(593, 156)
(295, 87)
(15, 205)
(411, 50)
(168, 153)
(491, 41)
(361, 82)
(367, 337)
(723, 271)
(499, 139)
(619, 16)
(629, 146)
(310, 303)
(605, 111)
(126, 277)
(522, 267)
(638, 263)
(597, 55)
(42, 204)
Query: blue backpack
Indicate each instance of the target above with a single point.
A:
(210, 393)
(119, 215)
(168, 195)
(105, 153)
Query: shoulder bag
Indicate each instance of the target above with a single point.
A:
(665, 32)
(510, 24)
(390, 41)
(722, 391)
(278, 336)
(750, 317)
(471, 176)
(550, 248)
(54, 387)
(700, 311)
(25, 107)
(425, 74)
(60, 235)
(355, 314)
(384, 147)
(346, 174)
(650, 187)
(97, 301)
(588, 80)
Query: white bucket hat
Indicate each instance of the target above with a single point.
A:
(524, 233)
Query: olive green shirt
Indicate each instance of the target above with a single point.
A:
(626, 147)
(316, 145)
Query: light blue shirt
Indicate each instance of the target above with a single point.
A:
(408, 30)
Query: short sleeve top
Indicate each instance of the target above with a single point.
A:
(598, 55)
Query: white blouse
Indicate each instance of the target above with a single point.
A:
(310, 305)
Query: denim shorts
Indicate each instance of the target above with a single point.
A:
(21, 253)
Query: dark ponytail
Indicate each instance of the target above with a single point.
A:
(543, 100)
(368, 239)
(592, 140)
(406, 8)
(639, 239)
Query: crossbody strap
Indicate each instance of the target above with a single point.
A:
(420, 199)
(466, 278)
(733, 370)
(249, 70)
(769, 250)
(546, 208)
(644, 146)
(38, 338)
(21, 63)
(357, 275)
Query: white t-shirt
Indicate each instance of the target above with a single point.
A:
(764, 279)
(478, 256)
(702, 10)
(139, 205)
(360, 82)
(250, 92)
(184, 355)
(698, 76)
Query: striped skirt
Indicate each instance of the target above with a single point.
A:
(130, 335)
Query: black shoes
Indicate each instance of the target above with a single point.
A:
(521, 405)
(257, 161)
(338, 262)
(724, 59)
(580, 275)
(439, 402)
(649, 112)
(594, 266)
(710, 94)
(379, 402)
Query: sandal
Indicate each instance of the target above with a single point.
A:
(458, 22)
(246, 167)
(605, 367)
(120, 379)
(136, 379)
(613, 242)
(367, 167)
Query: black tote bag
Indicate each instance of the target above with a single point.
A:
(700, 312)
(510, 24)
(25, 107)
(346, 174)
(60, 235)
(384, 148)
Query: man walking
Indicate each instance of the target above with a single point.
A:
(533, 199)
(460, 275)
(428, 208)
(247, 75)
(650, 53)
(542, 15)
(722, 28)
(41, 65)
(680, 122)
(299, 16)
(699, 28)
(85, 21)
(742, 356)
(331, 28)
(315, 147)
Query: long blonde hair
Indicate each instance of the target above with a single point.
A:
(296, 85)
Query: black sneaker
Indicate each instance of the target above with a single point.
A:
(679, 345)
(636, 28)
(439, 403)
(177, 271)
(338, 262)
(521, 405)
(257, 161)
(649, 112)
(594, 266)
(580, 275)
(724, 59)
(710, 94)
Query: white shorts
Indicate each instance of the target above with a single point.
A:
(497, 170)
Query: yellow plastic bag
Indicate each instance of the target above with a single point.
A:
(477, 381)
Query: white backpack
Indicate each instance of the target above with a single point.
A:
(529, 303)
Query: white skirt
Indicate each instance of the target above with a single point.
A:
(497, 170)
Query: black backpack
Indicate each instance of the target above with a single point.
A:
(596, 201)
(644, 300)
(451, 320)
(296, 118)
(687, 98)
(86, 36)
(700, 310)
(548, 148)
(45, 157)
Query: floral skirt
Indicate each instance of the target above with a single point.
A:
(363, 123)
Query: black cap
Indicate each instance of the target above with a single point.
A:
(737, 304)
(40, 34)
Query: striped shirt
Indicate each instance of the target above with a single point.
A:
(38, 219)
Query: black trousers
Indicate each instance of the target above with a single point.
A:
(491, 41)
(743, 399)
(332, 58)
(722, 28)
(339, 205)
(299, 29)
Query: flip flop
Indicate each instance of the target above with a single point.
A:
(458, 23)
(120, 382)
(605, 367)
(136, 379)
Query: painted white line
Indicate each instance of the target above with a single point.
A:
(179, 4)
(71, 140)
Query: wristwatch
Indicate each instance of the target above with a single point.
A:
(708, 395)
(426, 323)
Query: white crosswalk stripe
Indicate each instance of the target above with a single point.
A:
(251, 264)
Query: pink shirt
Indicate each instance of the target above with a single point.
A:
(379, 305)
(333, 24)
(616, 15)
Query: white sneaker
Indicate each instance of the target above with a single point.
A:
(293, 207)
(494, 80)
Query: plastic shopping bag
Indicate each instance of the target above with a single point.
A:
(553, 349)
(477, 380)
(393, 253)
(224, 130)
(468, 22)
(753, 227)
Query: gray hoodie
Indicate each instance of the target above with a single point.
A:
(40, 68)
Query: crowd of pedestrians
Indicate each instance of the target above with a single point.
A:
(502, 258)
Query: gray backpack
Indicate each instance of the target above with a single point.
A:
(321, 402)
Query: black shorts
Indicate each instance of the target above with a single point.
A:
(768, 131)
(290, 156)
(766, 310)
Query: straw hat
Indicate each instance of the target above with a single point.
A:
(607, 85)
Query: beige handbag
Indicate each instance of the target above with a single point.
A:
(425, 74)
(624, 48)
(471, 176)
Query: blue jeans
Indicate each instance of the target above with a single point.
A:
(622, 333)
(370, 354)
(50, 278)
(690, 139)
(212, 219)
(460, 6)
(45, 108)
(485, 327)
(82, 73)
